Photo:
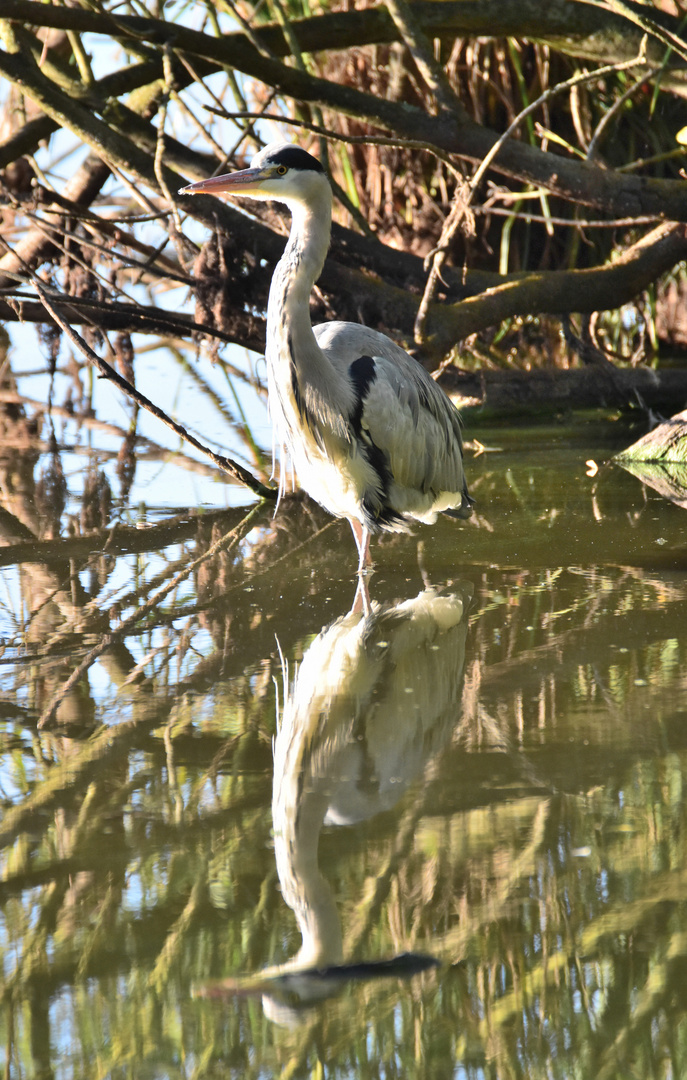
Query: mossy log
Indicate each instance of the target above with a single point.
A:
(659, 459)
(668, 478)
(666, 443)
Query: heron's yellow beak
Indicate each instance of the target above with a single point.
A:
(239, 183)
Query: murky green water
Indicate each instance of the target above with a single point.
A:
(488, 771)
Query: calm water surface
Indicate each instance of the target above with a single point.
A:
(261, 835)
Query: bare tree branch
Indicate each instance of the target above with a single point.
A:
(599, 32)
(108, 372)
(583, 182)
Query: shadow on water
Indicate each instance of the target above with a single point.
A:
(211, 777)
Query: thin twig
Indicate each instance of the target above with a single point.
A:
(458, 212)
(592, 149)
(250, 33)
(249, 130)
(226, 464)
(575, 80)
(167, 270)
(134, 317)
(181, 243)
(571, 223)
(421, 51)
(335, 136)
(648, 26)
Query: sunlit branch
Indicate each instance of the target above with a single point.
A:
(224, 463)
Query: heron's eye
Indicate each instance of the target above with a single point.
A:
(281, 170)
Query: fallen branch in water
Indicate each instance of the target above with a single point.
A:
(667, 442)
(592, 387)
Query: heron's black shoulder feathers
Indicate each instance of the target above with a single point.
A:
(378, 514)
(363, 374)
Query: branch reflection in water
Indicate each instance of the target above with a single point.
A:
(375, 698)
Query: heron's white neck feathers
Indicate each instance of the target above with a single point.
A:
(311, 226)
(300, 266)
(300, 377)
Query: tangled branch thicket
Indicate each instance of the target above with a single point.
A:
(106, 112)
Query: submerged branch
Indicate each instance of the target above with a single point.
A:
(116, 540)
(666, 443)
(543, 389)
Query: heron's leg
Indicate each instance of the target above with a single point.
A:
(421, 564)
(361, 603)
(362, 540)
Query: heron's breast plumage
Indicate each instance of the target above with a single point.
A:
(315, 435)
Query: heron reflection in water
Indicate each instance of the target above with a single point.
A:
(374, 699)
(370, 435)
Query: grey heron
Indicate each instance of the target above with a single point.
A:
(370, 435)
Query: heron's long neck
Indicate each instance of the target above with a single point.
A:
(289, 330)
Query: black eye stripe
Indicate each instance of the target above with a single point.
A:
(291, 157)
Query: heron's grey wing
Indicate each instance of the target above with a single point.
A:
(407, 416)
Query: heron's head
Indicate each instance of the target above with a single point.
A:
(281, 171)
